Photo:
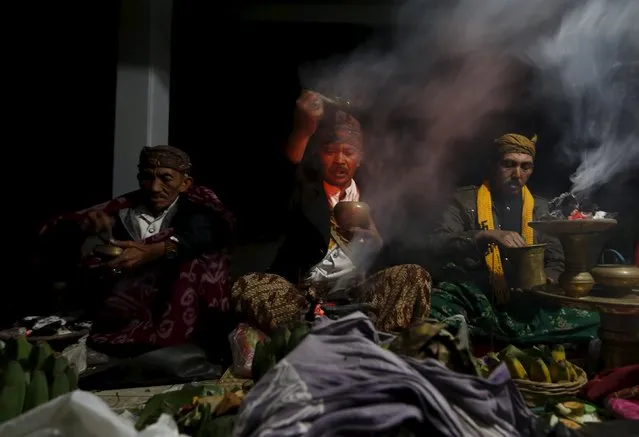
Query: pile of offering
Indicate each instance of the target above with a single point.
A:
(567, 206)
(539, 363)
(269, 352)
(572, 414)
(31, 376)
(45, 326)
(207, 410)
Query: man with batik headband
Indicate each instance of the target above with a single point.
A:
(318, 256)
(174, 262)
(471, 242)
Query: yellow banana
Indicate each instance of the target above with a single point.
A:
(558, 353)
(572, 372)
(539, 371)
(510, 350)
(516, 369)
(559, 372)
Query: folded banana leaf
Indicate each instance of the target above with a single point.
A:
(171, 402)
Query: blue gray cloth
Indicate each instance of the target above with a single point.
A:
(339, 381)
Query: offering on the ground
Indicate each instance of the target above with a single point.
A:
(268, 353)
(243, 341)
(46, 326)
(539, 363)
(31, 376)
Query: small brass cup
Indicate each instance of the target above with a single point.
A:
(527, 266)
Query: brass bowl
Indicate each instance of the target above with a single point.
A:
(350, 215)
(108, 251)
(569, 227)
(617, 279)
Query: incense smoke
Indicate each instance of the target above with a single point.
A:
(456, 68)
(591, 64)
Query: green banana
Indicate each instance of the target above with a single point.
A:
(39, 355)
(59, 386)
(38, 391)
(18, 349)
(279, 342)
(72, 375)
(297, 335)
(55, 365)
(10, 401)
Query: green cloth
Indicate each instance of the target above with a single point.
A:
(525, 319)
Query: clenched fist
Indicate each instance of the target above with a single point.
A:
(309, 112)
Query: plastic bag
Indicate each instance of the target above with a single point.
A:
(81, 414)
(243, 340)
(76, 354)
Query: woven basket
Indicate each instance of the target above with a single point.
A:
(538, 393)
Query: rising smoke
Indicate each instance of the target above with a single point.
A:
(456, 67)
(590, 63)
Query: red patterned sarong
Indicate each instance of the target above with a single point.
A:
(137, 296)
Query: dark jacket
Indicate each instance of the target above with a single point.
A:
(454, 239)
(198, 229)
(307, 225)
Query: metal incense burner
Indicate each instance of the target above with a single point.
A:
(616, 298)
(575, 237)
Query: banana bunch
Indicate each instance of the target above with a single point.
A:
(538, 364)
(268, 353)
(31, 376)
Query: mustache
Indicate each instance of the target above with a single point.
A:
(337, 168)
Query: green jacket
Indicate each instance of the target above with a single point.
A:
(454, 238)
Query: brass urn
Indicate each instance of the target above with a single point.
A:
(576, 237)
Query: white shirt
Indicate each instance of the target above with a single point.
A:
(336, 264)
(351, 193)
(147, 224)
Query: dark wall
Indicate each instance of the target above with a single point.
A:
(65, 67)
(233, 90)
(59, 100)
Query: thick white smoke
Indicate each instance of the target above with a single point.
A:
(590, 65)
(457, 67)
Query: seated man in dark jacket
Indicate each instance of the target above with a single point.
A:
(472, 241)
(174, 264)
(318, 256)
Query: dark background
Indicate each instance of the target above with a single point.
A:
(233, 88)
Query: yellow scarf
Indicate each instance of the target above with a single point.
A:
(493, 257)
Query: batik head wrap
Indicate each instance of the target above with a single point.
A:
(164, 156)
(337, 126)
(515, 143)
